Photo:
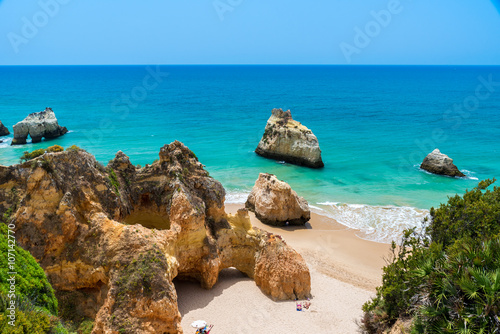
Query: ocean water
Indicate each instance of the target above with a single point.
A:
(375, 124)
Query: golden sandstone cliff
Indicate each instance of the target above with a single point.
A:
(111, 240)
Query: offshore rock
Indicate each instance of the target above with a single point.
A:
(3, 130)
(38, 125)
(288, 140)
(112, 239)
(441, 164)
(275, 203)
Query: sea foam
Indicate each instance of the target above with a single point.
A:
(236, 196)
(6, 142)
(375, 223)
(469, 175)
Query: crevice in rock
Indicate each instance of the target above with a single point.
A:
(148, 219)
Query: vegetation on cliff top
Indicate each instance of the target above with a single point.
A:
(447, 277)
(27, 156)
(41, 151)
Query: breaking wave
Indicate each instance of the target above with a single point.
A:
(375, 223)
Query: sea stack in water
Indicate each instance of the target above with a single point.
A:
(288, 140)
(441, 164)
(3, 130)
(38, 125)
(275, 203)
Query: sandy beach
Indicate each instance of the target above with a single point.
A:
(345, 270)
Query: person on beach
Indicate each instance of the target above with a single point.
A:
(299, 306)
(204, 330)
(307, 304)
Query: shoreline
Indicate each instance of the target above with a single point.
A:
(333, 249)
(376, 223)
(345, 270)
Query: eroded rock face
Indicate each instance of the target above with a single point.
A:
(441, 164)
(112, 239)
(38, 125)
(288, 140)
(276, 265)
(275, 203)
(3, 130)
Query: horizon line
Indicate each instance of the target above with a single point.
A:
(163, 64)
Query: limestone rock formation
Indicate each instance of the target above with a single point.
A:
(38, 125)
(288, 140)
(402, 326)
(111, 239)
(275, 203)
(3, 130)
(441, 164)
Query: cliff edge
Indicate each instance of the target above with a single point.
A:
(111, 239)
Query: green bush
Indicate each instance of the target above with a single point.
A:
(34, 322)
(447, 276)
(86, 327)
(27, 156)
(35, 302)
(30, 279)
(32, 155)
(113, 179)
(55, 148)
(472, 216)
(460, 292)
(73, 148)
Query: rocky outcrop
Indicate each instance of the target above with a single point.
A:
(441, 164)
(111, 239)
(402, 326)
(288, 140)
(275, 203)
(3, 130)
(38, 125)
(276, 269)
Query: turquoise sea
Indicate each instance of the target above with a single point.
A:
(375, 124)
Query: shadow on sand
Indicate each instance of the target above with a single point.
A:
(190, 295)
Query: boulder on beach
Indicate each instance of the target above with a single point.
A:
(3, 130)
(288, 140)
(38, 125)
(275, 203)
(441, 164)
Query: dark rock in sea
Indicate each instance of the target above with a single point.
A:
(38, 125)
(441, 164)
(3, 130)
(287, 140)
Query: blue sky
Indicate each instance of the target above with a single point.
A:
(249, 32)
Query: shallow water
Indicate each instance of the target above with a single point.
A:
(374, 125)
